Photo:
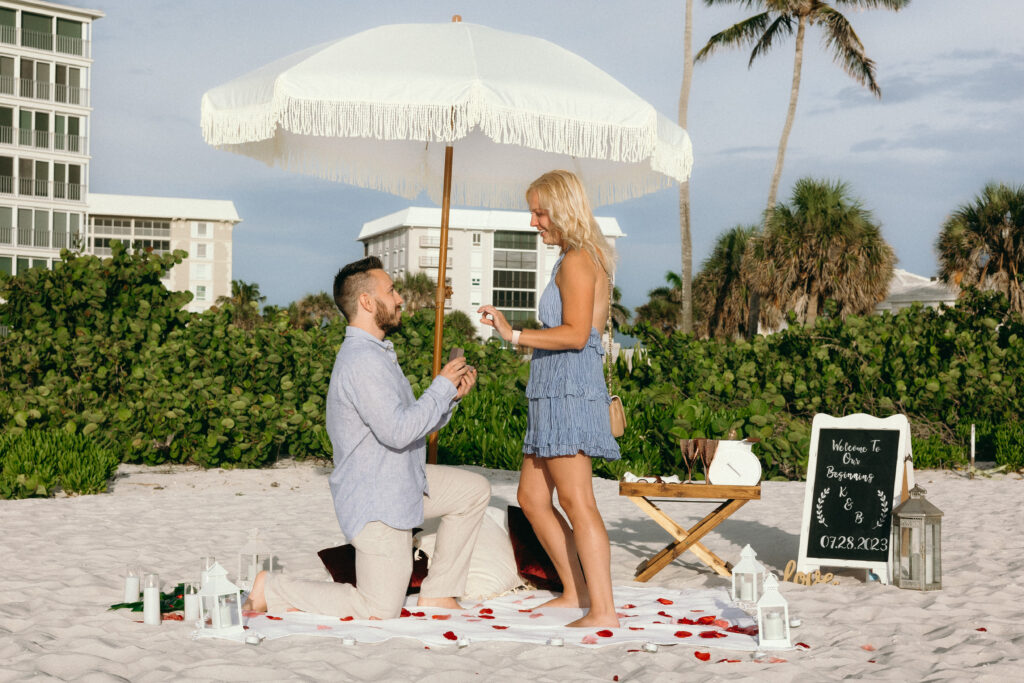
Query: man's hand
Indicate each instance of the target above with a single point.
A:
(455, 370)
(466, 383)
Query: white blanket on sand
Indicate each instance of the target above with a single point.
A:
(647, 614)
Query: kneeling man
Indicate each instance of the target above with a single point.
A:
(381, 484)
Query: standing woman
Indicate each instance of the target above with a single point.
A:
(568, 399)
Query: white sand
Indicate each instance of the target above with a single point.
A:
(63, 562)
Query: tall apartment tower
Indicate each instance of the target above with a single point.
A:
(45, 72)
(494, 257)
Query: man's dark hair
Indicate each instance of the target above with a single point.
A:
(353, 280)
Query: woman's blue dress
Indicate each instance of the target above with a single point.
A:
(567, 394)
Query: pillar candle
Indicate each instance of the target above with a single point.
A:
(773, 629)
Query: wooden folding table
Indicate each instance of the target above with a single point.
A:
(734, 498)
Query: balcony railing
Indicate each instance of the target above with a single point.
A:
(43, 139)
(48, 42)
(7, 85)
(6, 184)
(45, 90)
(32, 187)
(31, 237)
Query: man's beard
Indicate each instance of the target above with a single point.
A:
(389, 322)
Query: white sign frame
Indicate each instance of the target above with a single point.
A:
(904, 469)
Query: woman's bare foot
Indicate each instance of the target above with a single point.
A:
(257, 600)
(566, 600)
(444, 603)
(590, 620)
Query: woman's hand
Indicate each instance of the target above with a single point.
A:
(492, 317)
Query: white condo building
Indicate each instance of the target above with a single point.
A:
(45, 73)
(494, 257)
(202, 227)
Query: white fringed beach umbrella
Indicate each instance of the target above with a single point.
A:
(374, 109)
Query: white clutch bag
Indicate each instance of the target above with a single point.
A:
(734, 464)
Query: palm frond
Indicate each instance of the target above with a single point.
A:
(782, 27)
(840, 38)
(746, 32)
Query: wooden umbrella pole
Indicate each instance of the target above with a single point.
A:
(442, 264)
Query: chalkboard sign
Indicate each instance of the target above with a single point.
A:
(854, 480)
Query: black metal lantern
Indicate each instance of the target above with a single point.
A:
(917, 543)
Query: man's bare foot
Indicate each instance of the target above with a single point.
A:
(565, 600)
(444, 603)
(257, 600)
(591, 620)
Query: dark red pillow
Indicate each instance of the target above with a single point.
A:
(340, 562)
(532, 560)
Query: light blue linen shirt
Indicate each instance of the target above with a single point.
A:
(378, 433)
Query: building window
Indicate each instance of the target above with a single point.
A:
(515, 279)
(515, 259)
(513, 298)
(476, 239)
(199, 250)
(201, 230)
(509, 239)
(200, 271)
(518, 317)
(37, 31)
(475, 280)
(201, 293)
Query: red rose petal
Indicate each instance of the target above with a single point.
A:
(776, 660)
(868, 648)
(712, 634)
(683, 634)
(246, 628)
(686, 621)
(981, 629)
(589, 640)
(804, 646)
(346, 618)
(705, 621)
(702, 656)
(486, 610)
(419, 614)
(173, 617)
(615, 677)
(745, 630)
(665, 601)
(696, 610)
(450, 636)
(405, 613)
(440, 616)
(664, 614)
(486, 616)
(605, 633)
(499, 627)
(721, 623)
(636, 628)
(871, 661)
(730, 661)
(535, 615)
(273, 618)
(526, 610)
(629, 606)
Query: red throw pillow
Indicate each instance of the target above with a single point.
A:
(340, 562)
(532, 560)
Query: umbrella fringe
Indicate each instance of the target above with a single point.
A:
(445, 124)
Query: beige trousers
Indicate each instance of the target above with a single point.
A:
(384, 556)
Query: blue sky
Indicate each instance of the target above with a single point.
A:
(951, 73)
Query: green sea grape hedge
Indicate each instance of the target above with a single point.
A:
(100, 347)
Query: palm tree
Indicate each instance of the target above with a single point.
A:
(721, 289)
(686, 244)
(778, 20)
(417, 289)
(662, 307)
(619, 313)
(313, 310)
(982, 244)
(826, 246)
(243, 296)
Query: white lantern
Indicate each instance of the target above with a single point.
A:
(917, 543)
(254, 557)
(747, 576)
(772, 617)
(220, 604)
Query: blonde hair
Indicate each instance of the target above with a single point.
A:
(561, 194)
